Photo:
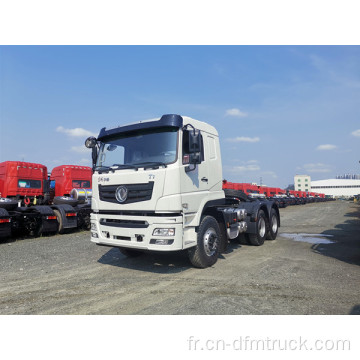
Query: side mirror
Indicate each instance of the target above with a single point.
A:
(192, 147)
(195, 158)
(111, 147)
(91, 143)
(194, 141)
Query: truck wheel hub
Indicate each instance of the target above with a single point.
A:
(262, 227)
(210, 242)
(274, 224)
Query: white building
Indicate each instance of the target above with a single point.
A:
(336, 187)
(302, 183)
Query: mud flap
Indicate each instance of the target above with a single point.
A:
(68, 214)
(83, 215)
(48, 218)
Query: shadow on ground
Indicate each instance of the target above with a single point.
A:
(355, 310)
(156, 262)
(346, 236)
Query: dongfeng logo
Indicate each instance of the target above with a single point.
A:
(121, 194)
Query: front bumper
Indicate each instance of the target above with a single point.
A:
(136, 232)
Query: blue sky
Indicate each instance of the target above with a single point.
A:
(279, 110)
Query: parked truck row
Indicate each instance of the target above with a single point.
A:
(33, 202)
(158, 186)
(282, 197)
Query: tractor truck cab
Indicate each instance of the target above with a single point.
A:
(65, 178)
(24, 182)
(157, 185)
(26, 204)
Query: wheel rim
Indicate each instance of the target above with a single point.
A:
(262, 227)
(210, 242)
(274, 224)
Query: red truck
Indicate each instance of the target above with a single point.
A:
(28, 205)
(25, 182)
(65, 178)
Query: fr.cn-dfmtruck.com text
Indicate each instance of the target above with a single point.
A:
(247, 343)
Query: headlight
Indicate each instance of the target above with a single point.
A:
(164, 232)
(93, 226)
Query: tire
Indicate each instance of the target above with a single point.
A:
(60, 221)
(207, 250)
(273, 225)
(61, 200)
(130, 252)
(8, 204)
(258, 239)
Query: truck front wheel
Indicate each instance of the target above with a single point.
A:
(206, 252)
(258, 238)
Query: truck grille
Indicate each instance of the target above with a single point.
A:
(137, 192)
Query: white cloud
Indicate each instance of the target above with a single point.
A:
(76, 132)
(80, 149)
(356, 133)
(235, 112)
(86, 162)
(244, 139)
(326, 147)
(317, 168)
(244, 168)
(270, 173)
(340, 77)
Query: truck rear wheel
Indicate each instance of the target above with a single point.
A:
(273, 225)
(60, 221)
(206, 252)
(258, 238)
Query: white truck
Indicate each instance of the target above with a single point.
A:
(157, 186)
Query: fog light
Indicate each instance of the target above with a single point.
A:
(93, 226)
(162, 241)
(164, 232)
(94, 234)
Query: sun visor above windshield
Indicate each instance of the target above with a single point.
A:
(170, 120)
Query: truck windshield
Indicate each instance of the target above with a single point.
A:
(158, 146)
(77, 184)
(29, 183)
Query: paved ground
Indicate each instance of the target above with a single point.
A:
(295, 274)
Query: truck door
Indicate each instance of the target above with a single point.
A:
(194, 184)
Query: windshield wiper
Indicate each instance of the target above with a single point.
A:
(114, 167)
(123, 166)
(102, 169)
(151, 164)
